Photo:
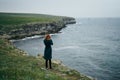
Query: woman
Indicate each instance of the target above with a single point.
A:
(48, 50)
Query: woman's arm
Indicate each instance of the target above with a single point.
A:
(51, 42)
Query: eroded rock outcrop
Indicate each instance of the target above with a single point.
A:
(31, 29)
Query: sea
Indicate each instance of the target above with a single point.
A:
(91, 46)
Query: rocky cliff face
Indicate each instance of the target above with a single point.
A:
(37, 29)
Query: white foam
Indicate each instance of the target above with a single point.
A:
(66, 47)
(26, 38)
(32, 37)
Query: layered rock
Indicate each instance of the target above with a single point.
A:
(31, 29)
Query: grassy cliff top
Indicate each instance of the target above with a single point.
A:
(23, 18)
(13, 21)
(15, 65)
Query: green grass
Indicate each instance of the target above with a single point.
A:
(13, 21)
(16, 66)
(22, 18)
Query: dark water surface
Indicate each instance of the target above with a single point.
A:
(92, 46)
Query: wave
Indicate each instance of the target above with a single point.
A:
(66, 47)
(33, 37)
(27, 38)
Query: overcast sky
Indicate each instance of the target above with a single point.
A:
(74, 8)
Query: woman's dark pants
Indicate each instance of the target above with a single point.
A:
(46, 63)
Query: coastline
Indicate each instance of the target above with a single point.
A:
(37, 27)
(20, 58)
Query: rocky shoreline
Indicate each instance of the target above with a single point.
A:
(31, 29)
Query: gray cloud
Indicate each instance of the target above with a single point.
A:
(76, 8)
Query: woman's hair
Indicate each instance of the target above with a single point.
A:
(47, 37)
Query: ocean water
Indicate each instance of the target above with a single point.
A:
(91, 46)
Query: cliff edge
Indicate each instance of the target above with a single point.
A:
(15, 64)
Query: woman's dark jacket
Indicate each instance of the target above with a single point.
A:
(48, 49)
